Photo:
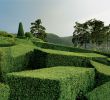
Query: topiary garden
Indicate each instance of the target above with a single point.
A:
(31, 69)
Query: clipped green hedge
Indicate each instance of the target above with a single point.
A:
(5, 34)
(6, 41)
(100, 93)
(56, 83)
(103, 53)
(102, 72)
(46, 58)
(0, 66)
(15, 58)
(47, 45)
(4, 92)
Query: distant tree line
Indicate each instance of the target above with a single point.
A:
(91, 32)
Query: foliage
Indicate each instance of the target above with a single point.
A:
(34, 40)
(107, 35)
(38, 30)
(103, 53)
(46, 58)
(5, 34)
(100, 93)
(16, 58)
(61, 82)
(92, 31)
(103, 72)
(96, 30)
(56, 83)
(20, 33)
(81, 34)
(47, 45)
(4, 91)
(28, 35)
(53, 38)
(6, 41)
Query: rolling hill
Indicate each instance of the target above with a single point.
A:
(53, 38)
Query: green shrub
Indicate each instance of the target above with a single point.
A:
(46, 58)
(100, 93)
(0, 66)
(6, 41)
(5, 34)
(47, 45)
(28, 35)
(4, 92)
(56, 83)
(103, 53)
(15, 58)
(102, 72)
(20, 33)
(34, 39)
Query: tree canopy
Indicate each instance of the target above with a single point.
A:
(20, 31)
(92, 31)
(37, 29)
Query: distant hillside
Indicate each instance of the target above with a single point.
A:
(68, 39)
(52, 38)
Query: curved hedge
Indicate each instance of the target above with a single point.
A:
(15, 58)
(102, 72)
(100, 93)
(5, 34)
(43, 58)
(53, 46)
(56, 83)
(6, 41)
(4, 92)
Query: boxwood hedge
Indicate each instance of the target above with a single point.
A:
(6, 41)
(15, 58)
(100, 93)
(56, 83)
(4, 91)
(46, 58)
(48, 45)
(102, 72)
(5, 34)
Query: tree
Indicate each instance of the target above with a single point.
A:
(107, 35)
(81, 35)
(20, 31)
(95, 28)
(92, 31)
(75, 40)
(38, 30)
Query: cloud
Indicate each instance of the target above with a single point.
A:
(103, 16)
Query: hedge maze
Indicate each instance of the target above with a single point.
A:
(36, 70)
(62, 83)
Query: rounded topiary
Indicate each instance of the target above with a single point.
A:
(20, 31)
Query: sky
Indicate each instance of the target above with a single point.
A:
(58, 16)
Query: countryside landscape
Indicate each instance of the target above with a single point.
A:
(39, 65)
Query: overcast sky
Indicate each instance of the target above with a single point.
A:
(58, 16)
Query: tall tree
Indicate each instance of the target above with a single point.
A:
(20, 33)
(38, 30)
(107, 35)
(90, 31)
(81, 35)
(96, 27)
